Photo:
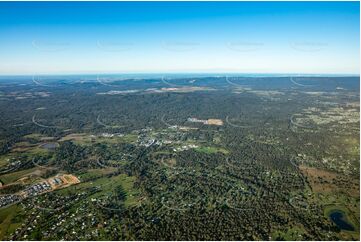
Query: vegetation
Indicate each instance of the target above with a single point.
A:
(284, 157)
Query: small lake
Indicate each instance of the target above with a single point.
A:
(49, 146)
(340, 219)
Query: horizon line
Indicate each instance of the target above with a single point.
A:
(180, 73)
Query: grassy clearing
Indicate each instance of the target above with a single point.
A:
(162, 153)
(34, 136)
(352, 146)
(12, 177)
(345, 235)
(36, 150)
(335, 196)
(87, 139)
(345, 203)
(5, 159)
(348, 216)
(129, 138)
(7, 215)
(22, 149)
(107, 185)
(324, 181)
(211, 150)
(78, 138)
(94, 173)
(26, 148)
(291, 234)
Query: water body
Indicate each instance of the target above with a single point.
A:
(50, 146)
(340, 219)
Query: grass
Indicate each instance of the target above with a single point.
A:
(161, 153)
(32, 151)
(129, 138)
(34, 136)
(77, 138)
(12, 177)
(7, 226)
(211, 150)
(25, 148)
(340, 197)
(329, 209)
(291, 234)
(353, 146)
(345, 203)
(94, 173)
(108, 184)
(21, 149)
(86, 139)
(217, 139)
(5, 159)
(344, 234)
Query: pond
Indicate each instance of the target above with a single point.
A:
(49, 146)
(340, 219)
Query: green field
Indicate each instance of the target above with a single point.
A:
(8, 223)
(211, 150)
(107, 185)
(11, 177)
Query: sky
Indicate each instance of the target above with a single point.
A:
(179, 37)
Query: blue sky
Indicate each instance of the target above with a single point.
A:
(151, 37)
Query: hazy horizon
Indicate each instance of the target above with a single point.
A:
(189, 74)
